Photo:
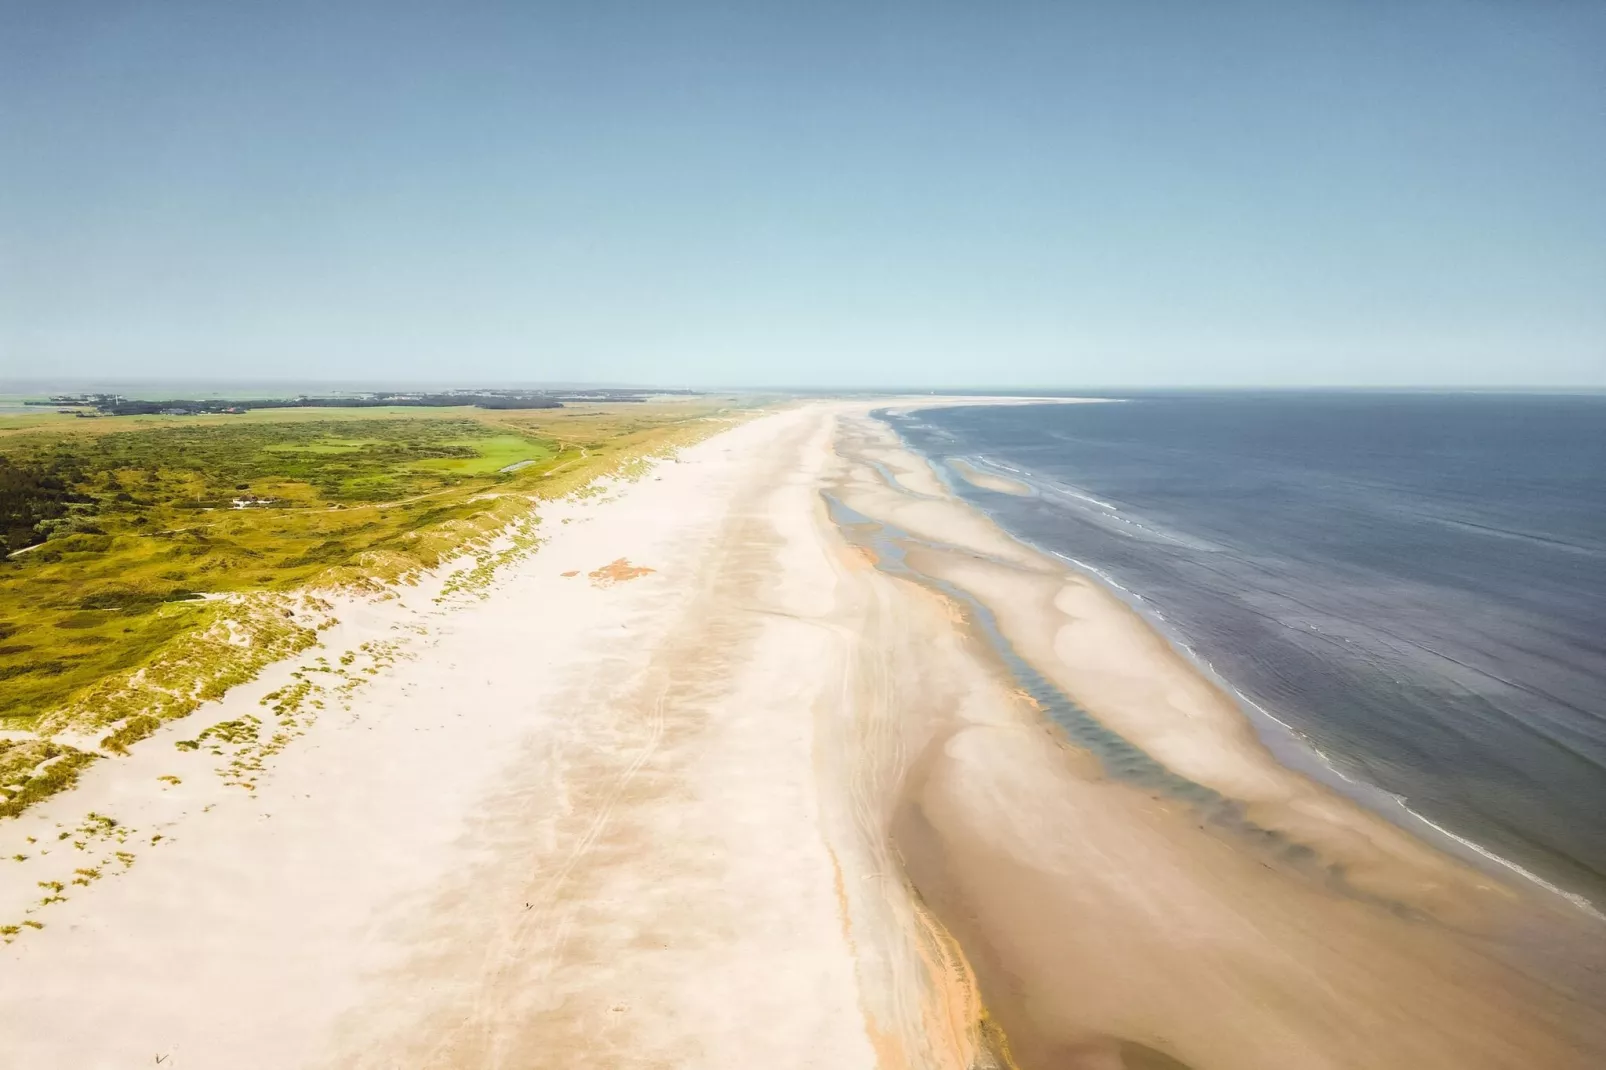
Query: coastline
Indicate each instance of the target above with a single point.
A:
(1290, 746)
(538, 821)
(986, 480)
(1334, 859)
(782, 755)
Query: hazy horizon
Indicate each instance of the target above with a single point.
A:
(1092, 196)
(212, 386)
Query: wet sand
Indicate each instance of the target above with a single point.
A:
(980, 477)
(780, 757)
(1152, 889)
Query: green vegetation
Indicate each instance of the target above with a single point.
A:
(150, 404)
(33, 497)
(491, 455)
(149, 563)
(32, 769)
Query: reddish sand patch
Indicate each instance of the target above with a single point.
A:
(571, 572)
(859, 556)
(616, 572)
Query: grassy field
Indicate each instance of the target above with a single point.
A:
(165, 538)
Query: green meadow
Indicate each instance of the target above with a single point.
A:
(120, 534)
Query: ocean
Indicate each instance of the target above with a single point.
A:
(1414, 583)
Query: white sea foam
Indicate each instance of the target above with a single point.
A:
(1072, 492)
(1572, 897)
(1094, 569)
(1580, 902)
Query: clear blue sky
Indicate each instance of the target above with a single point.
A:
(933, 194)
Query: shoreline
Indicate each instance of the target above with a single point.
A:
(1291, 746)
(1387, 868)
(545, 821)
(1295, 750)
(731, 771)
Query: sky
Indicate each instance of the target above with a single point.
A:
(1128, 193)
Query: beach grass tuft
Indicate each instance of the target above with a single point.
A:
(34, 769)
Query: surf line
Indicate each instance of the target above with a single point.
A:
(1118, 756)
(1363, 792)
(1297, 751)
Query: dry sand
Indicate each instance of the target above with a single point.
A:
(704, 782)
(613, 814)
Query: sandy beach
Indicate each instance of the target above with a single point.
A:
(762, 760)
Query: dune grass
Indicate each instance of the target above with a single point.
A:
(33, 769)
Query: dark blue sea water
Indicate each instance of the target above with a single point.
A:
(1415, 583)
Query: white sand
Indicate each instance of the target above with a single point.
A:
(571, 823)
